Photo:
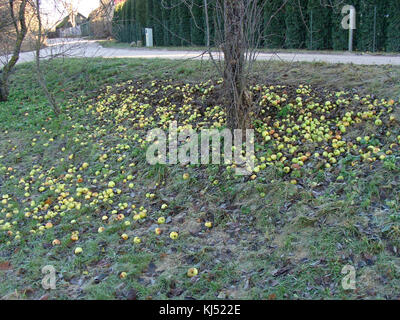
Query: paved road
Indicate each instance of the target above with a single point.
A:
(86, 48)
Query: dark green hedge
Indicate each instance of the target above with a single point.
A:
(308, 24)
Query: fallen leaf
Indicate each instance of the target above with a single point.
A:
(272, 296)
(4, 266)
(132, 294)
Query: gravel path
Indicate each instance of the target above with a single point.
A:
(87, 48)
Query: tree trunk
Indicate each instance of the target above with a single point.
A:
(234, 47)
(3, 89)
(39, 71)
(21, 33)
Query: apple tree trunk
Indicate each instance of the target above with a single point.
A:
(234, 48)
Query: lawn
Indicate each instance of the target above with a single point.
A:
(78, 194)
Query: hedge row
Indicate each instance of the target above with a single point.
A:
(301, 24)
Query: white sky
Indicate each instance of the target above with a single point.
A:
(55, 10)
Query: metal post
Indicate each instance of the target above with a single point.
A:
(352, 27)
(191, 31)
(350, 40)
(374, 42)
(207, 24)
(311, 30)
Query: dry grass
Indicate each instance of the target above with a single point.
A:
(382, 81)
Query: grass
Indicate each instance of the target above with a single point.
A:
(270, 239)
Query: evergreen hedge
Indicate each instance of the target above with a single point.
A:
(311, 24)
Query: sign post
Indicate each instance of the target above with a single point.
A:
(149, 37)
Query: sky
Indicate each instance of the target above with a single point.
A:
(54, 10)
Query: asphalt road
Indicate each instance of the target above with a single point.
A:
(80, 48)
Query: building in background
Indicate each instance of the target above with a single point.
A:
(70, 26)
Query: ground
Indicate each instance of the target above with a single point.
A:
(124, 45)
(324, 193)
(85, 48)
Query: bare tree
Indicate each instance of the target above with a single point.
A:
(39, 72)
(17, 17)
(63, 48)
(106, 11)
(239, 31)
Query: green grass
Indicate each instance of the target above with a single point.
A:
(270, 239)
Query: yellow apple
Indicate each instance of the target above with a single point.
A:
(161, 220)
(173, 235)
(208, 224)
(192, 272)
